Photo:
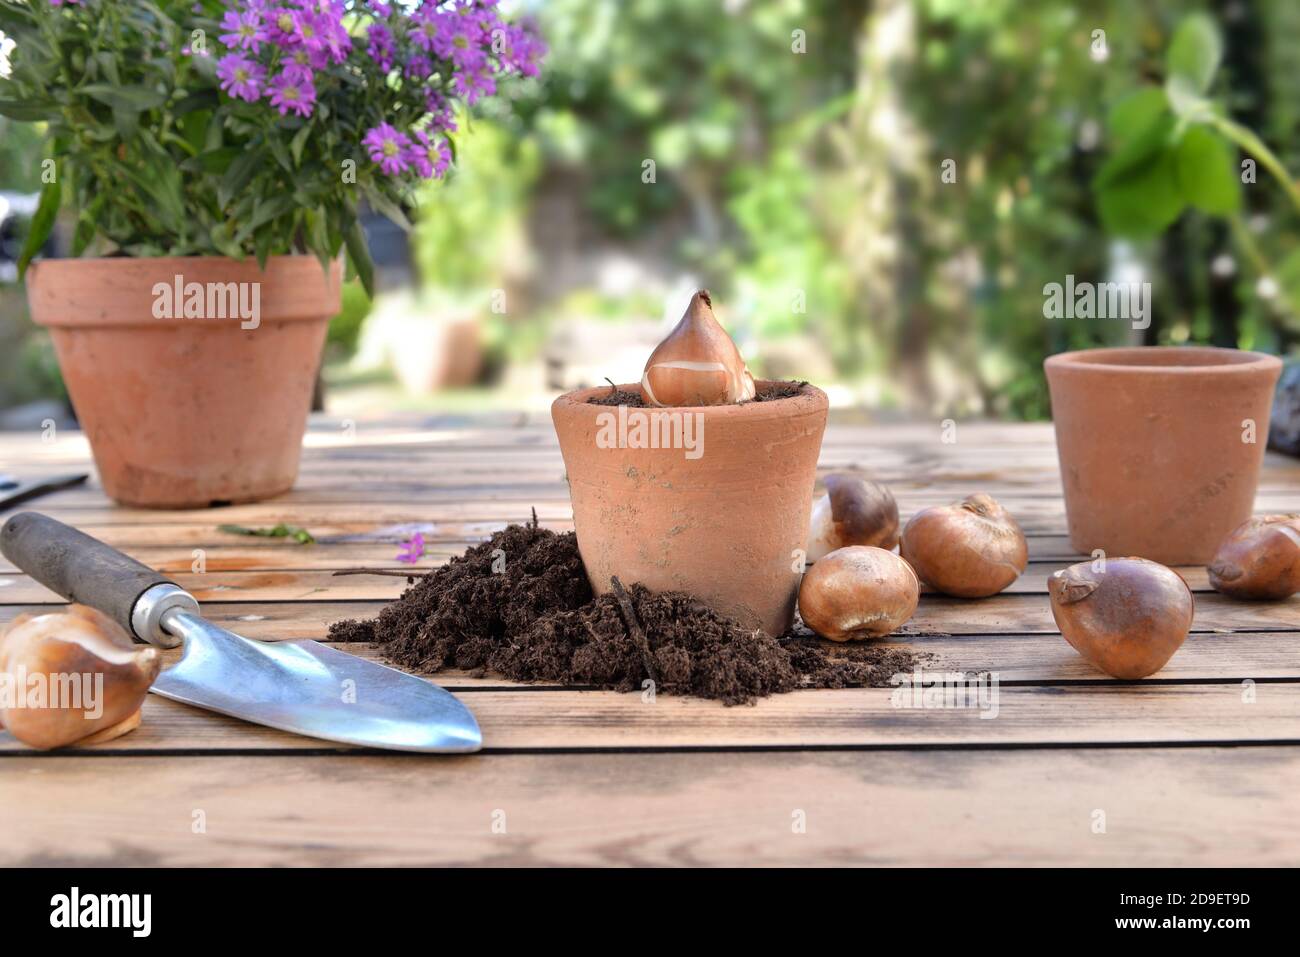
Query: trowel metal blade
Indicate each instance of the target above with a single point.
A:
(309, 688)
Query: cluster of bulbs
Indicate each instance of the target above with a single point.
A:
(1126, 616)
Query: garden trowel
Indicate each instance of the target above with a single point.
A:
(299, 686)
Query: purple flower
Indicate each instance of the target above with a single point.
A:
(307, 31)
(299, 66)
(473, 84)
(336, 42)
(241, 77)
(418, 67)
(428, 28)
(524, 49)
(442, 115)
(243, 31)
(292, 95)
(280, 27)
(412, 549)
(428, 159)
(388, 147)
(381, 46)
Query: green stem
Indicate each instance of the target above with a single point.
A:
(1251, 143)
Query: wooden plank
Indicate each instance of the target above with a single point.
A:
(937, 615)
(273, 555)
(1043, 657)
(1218, 807)
(1039, 659)
(219, 583)
(1134, 715)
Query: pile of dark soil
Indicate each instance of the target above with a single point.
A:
(767, 392)
(534, 619)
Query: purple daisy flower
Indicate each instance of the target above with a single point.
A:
(307, 31)
(442, 115)
(418, 67)
(280, 27)
(241, 77)
(292, 95)
(243, 31)
(473, 84)
(428, 159)
(380, 46)
(428, 27)
(388, 147)
(299, 66)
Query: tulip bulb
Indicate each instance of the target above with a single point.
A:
(1126, 616)
(1260, 559)
(971, 549)
(697, 364)
(72, 676)
(858, 592)
(852, 512)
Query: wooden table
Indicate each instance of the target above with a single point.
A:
(1197, 765)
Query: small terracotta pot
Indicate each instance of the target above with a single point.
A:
(727, 525)
(186, 412)
(1153, 445)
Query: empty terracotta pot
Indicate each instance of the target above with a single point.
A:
(725, 520)
(184, 408)
(1155, 445)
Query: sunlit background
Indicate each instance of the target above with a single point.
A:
(790, 156)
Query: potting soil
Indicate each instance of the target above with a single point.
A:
(520, 606)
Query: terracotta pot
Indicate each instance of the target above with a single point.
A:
(724, 524)
(187, 412)
(1154, 446)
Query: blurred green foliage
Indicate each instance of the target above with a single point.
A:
(892, 182)
(807, 184)
(464, 225)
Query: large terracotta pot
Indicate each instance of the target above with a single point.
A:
(727, 525)
(187, 412)
(1155, 445)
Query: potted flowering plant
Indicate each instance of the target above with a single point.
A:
(217, 153)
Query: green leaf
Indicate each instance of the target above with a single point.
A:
(28, 111)
(42, 223)
(108, 62)
(133, 98)
(298, 142)
(298, 534)
(1207, 175)
(1138, 129)
(264, 212)
(213, 161)
(238, 176)
(126, 122)
(1143, 201)
(281, 154)
(87, 224)
(354, 237)
(388, 208)
(1194, 53)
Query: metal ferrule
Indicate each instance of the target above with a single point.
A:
(147, 615)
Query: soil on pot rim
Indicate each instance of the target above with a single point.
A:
(767, 392)
(535, 620)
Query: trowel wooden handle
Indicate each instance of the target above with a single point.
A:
(76, 566)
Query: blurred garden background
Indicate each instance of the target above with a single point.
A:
(875, 191)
